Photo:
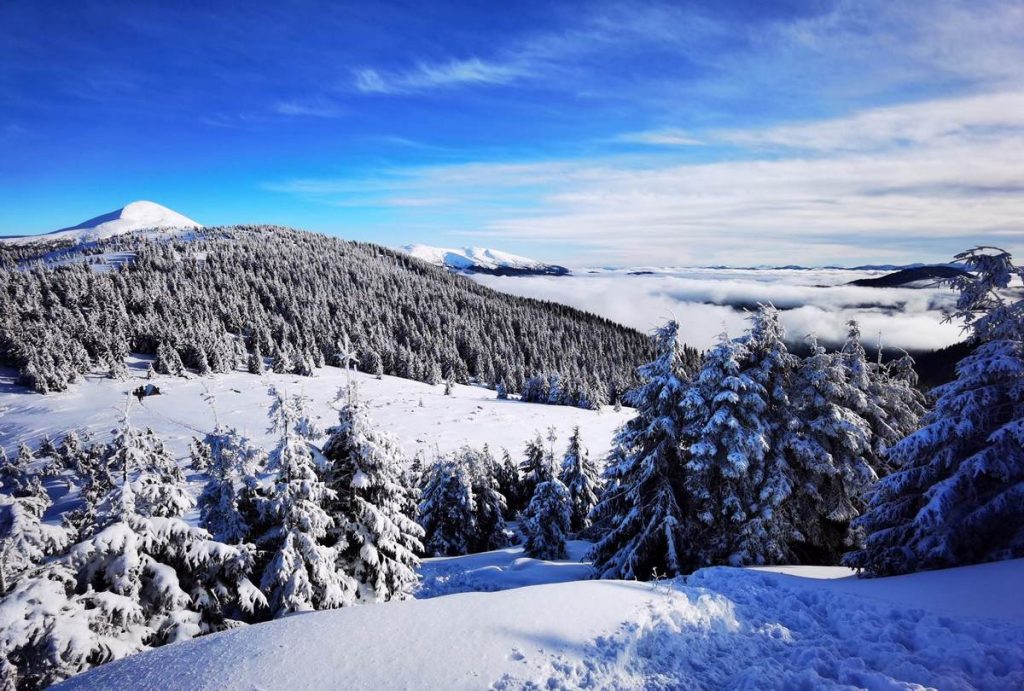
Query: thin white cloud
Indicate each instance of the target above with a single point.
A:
(447, 74)
(313, 109)
(664, 137)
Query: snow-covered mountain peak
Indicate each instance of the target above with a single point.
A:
(482, 260)
(138, 215)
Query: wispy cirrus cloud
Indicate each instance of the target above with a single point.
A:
(318, 108)
(433, 75)
(915, 182)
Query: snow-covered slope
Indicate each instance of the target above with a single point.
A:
(482, 260)
(721, 628)
(420, 415)
(140, 215)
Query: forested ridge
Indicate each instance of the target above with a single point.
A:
(231, 295)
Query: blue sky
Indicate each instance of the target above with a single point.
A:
(618, 133)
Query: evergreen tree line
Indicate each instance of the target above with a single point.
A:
(469, 497)
(301, 528)
(763, 457)
(231, 297)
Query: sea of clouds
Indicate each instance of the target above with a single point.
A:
(709, 302)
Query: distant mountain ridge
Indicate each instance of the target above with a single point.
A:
(908, 277)
(484, 261)
(138, 215)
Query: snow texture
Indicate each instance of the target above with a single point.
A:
(720, 628)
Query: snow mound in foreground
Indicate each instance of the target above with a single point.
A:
(140, 215)
(720, 628)
(500, 569)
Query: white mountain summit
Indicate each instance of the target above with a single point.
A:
(140, 215)
(482, 260)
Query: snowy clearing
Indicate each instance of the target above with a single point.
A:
(472, 415)
(721, 628)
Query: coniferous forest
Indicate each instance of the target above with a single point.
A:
(240, 294)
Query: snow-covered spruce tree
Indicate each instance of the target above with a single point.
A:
(161, 491)
(770, 365)
(641, 505)
(378, 541)
(829, 458)
(580, 476)
(536, 467)
(16, 475)
(957, 496)
(547, 521)
(135, 582)
(491, 505)
(725, 464)
(883, 395)
(254, 362)
(447, 509)
(511, 485)
(231, 464)
(24, 539)
(303, 573)
(168, 361)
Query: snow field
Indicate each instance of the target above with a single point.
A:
(472, 415)
(719, 628)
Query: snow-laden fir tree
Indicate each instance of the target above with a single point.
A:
(378, 541)
(547, 521)
(770, 365)
(829, 458)
(725, 464)
(231, 463)
(641, 504)
(16, 475)
(510, 484)
(136, 581)
(957, 496)
(447, 508)
(161, 491)
(254, 362)
(303, 573)
(580, 476)
(24, 539)
(536, 466)
(489, 502)
(884, 395)
(168, 361)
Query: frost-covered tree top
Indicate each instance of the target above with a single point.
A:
(640, 505)
(957, 496)
(365, 472)
(985, 305)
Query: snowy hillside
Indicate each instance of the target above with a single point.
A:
(481, 260)
(423, 418)
(720, 628)
(140, 215)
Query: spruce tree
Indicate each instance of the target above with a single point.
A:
(957, 496)
(380, 541)
(830, 459)
(641, 504)
(232, 464)
(303, 573)
(580, 476)
(447, 509)
(725, 465)
(547, 521)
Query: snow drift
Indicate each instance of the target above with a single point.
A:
(719, 628)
